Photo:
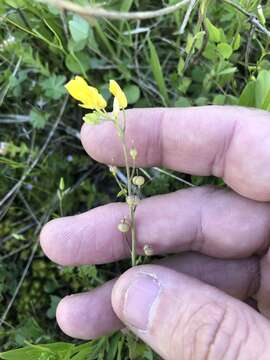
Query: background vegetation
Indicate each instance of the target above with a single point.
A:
(220, 55)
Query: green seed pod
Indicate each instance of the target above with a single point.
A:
(138, 180)
(148, 250)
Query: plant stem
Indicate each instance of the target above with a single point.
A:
(131, 208)
(129, 186)
(127, 165)
(133, 237)
(61, 207)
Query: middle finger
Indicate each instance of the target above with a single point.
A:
(213, 221)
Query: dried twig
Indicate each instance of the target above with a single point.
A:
(251, 17)
(14, 119)
(187, 16)
(162, 171)
(99, 12)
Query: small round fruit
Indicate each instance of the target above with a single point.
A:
(138, 180)
(123, 227)
(148, 250)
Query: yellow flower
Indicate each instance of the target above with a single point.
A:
(118, 93)
(89, 96)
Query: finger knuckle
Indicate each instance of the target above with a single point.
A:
(208, 333)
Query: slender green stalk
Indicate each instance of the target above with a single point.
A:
(61, 206)
(127, 166)
(133, 238)
(130, 171)
(129, 188)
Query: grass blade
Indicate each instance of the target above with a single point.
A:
(157, 72)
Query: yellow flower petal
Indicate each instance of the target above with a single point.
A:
(118, 93)
(100, 102)
(87, 95)
(77, 88)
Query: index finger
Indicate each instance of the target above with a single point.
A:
(224, 141)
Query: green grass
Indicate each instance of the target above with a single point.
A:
(218, 59)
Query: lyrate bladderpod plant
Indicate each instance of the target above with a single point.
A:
(90, 98)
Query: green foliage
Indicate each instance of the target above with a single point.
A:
(217, 60)
(133, 93)
(38, 119)
(92, 118)
(257, 92)
(53, 87)
(79, 29)
(157, 72)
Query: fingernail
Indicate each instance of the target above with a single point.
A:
(139, 299)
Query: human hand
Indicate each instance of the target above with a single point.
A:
(189, 305)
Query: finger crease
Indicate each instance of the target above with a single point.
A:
(218, 166)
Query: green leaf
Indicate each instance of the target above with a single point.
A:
(126, 5)
(78, 63)
(198, 39)
(189, 43)
(262, 90)
(30, 329)
(227, 71)
(213, 31)
(38, 119)
(201, 101)
(75, 46)
(114, 341)
(180, 66)
(184, 84)
(266, 103)
(132, 93)
(225, 50)
(53, 351)
(247, 97)
(54, 302)
(219, 99)
(210, 52)
(182, 102)
(15, 3)
(236, 42)
(157, 72)
(92, 118)
(22, 354)
(79, 28)
(54, 86)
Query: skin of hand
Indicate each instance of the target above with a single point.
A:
(191, 305)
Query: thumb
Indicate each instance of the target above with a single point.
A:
(183, 318)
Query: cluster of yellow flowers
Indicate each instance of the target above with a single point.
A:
(90, 97)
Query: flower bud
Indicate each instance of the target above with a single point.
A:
(62, 184)
(113, 169)
(138, 180)
(133, 153)
(123, 226)
(132, 200)
(148, 250)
